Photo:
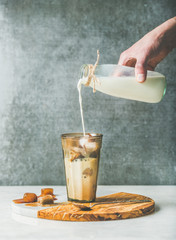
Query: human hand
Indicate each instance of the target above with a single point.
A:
(150, 50)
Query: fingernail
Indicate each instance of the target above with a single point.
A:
(141, 77)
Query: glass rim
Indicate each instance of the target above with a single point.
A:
(81, 135)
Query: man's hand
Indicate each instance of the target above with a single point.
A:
(150, 50)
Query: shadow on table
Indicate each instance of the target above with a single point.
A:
(157, 208)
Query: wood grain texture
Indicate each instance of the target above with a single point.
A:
(109, 211)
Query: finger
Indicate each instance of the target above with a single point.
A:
(140, 71)
(123, 59)
(131, 62)
(127, 61)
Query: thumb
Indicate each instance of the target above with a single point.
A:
(140, 71)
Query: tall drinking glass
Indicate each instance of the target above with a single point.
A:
(81, 159)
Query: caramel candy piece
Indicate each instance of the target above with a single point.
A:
(47, 199)
(30, 197)
(46, 191)
(27, 198)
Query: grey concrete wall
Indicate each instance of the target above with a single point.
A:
(42, 46)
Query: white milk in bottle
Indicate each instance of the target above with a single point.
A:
(120, 81)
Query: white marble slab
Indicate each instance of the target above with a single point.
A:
(159, 225)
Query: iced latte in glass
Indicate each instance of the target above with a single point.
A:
(81, 159)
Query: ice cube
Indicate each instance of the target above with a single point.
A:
(81, 150)
(74, 155)
(88, 172)
(88, 144)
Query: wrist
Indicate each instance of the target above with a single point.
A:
(167, 32)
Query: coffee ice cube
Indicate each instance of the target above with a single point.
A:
(70, 144)
(81, 150)
(74, 155)
(88, 144)
(88, 172)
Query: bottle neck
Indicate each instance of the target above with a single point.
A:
(85, 70)
(88, 75)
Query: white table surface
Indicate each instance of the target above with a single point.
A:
(159, 225)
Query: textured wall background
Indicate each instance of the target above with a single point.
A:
(42, 46)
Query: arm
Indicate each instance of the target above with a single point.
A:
(150, 50)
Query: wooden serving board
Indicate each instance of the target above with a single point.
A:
(104, 212)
